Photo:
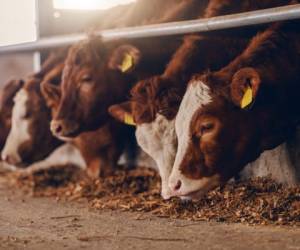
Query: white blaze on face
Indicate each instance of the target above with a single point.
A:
(158, 139)
(19, 132)
(196, 96)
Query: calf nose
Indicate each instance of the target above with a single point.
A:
(56, 127)
(9, 159)
(4, 157)
(177, 186)
(166, 193)
(64, 128)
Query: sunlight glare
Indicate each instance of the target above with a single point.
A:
(88, 4)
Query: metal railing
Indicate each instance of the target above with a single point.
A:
(175, 28)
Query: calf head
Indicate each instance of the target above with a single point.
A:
(6, 105)
(30, 138)
(152, 108)
(95, 76)
(224, 122)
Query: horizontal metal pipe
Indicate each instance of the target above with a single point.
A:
(175, 28)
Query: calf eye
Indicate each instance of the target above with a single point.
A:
(86, 78)
(26, 115)
(23, 116)
(206, 128)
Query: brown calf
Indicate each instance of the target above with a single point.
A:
(98, 75)
(229, 117)
(101, 149)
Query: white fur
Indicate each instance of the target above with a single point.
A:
(158, 139)
(19, 132)
(63, 155)
(196, 96)
(274, 163)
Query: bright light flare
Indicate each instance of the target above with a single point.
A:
(88, 4)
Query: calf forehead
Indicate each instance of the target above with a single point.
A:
(20, 127)
(196, 96)
(21, 102)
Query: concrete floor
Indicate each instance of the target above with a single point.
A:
(44, 223)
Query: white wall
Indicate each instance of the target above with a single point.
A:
(17, 21)
(17, 25)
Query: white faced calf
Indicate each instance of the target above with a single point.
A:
(219, 126)
(21, 147)
(152, 109)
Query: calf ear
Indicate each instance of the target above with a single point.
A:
(122, 112)
(244, 87)
(51, 94)
(124, 58)
(18, 83)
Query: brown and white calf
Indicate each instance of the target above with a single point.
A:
(229, 117)
(31, 115)
(155, 101)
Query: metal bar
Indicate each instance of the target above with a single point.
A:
(175, 28)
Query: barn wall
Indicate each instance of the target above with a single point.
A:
(15, 66)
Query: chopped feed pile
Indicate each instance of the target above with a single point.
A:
(258, 201)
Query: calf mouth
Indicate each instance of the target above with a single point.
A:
(67, 135)
(65, 138)
(22, 164)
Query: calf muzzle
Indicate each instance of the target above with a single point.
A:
(62, 128)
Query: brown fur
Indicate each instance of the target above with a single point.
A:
(155, 11)
(162, 94)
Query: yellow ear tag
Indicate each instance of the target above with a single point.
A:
(128, 119)
(247, 98)
(127, 63)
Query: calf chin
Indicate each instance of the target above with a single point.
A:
(10, 159)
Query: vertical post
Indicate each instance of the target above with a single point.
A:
(37, 54)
